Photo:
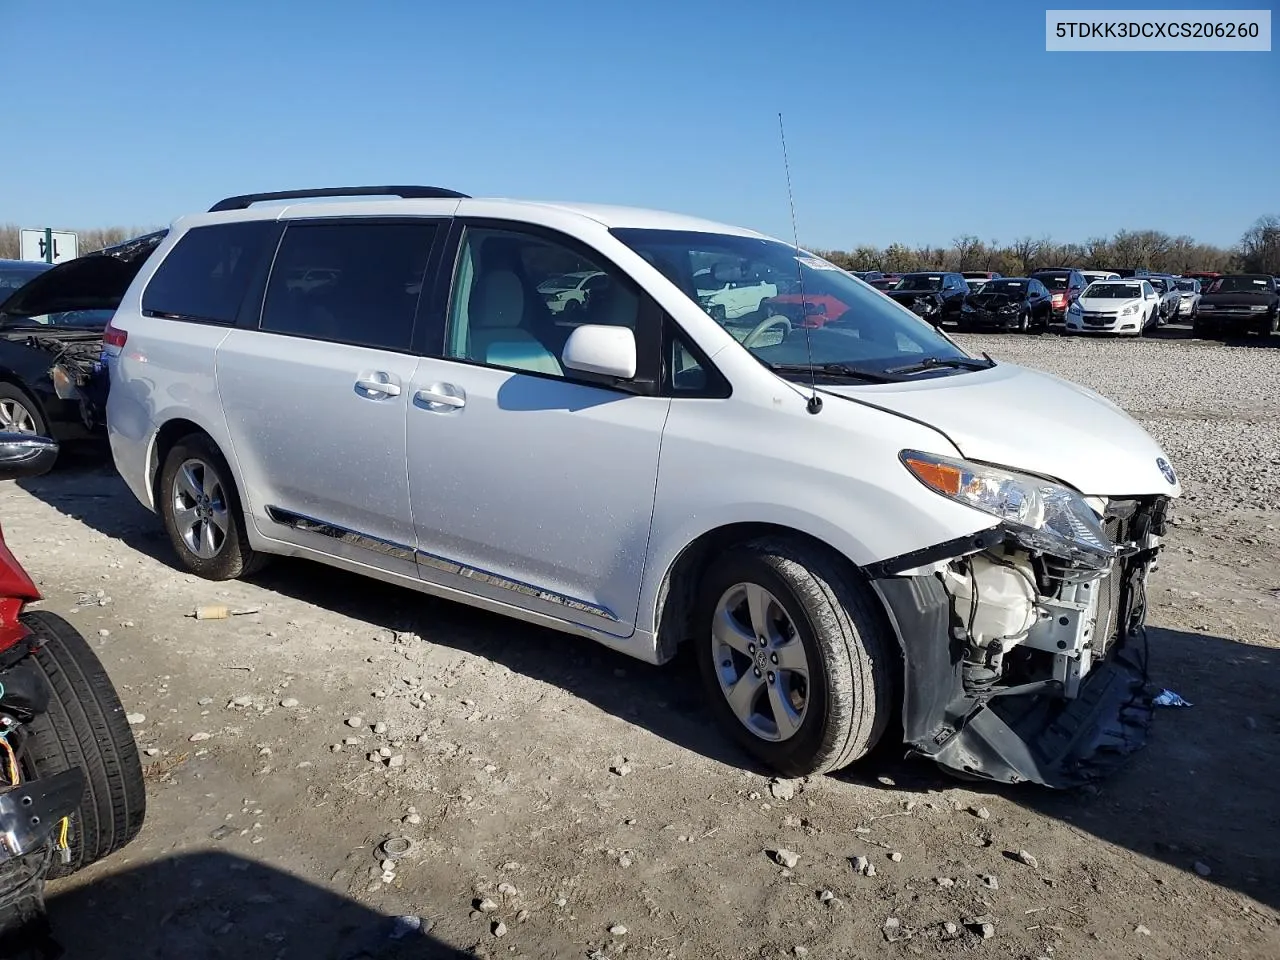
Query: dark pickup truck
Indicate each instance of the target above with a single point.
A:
(1239, 303)
(51, 379)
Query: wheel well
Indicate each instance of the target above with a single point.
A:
(169, 434)
(678, 594)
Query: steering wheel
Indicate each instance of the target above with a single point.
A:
(774, 320)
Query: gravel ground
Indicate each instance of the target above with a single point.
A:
(563, 801)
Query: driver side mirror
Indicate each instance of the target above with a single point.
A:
(605, 350)
(25, 455)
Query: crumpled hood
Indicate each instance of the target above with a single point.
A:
(1033, 422)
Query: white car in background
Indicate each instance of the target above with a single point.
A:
(1094, 276)
(1115, 306)
(568, 292)
(726, 294)
(1189, 291)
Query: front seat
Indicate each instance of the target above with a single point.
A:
(495, 333)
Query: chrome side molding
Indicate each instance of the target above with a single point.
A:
(398, 551)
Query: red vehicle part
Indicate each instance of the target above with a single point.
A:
(16, 591)
(819, 309)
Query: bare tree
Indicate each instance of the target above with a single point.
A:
(1260, 246)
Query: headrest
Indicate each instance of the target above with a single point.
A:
(498, 300)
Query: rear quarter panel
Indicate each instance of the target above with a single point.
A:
(165, 371)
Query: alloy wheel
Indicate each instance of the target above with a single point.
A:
(15, 417)
(200, 510)
(760, 662)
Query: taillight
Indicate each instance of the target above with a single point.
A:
(1057, 298)
(113, 336)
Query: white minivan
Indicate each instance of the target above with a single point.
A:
(858, 526)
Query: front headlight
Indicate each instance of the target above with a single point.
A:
(1043, 515)
(1129, 310)
(1260, 308)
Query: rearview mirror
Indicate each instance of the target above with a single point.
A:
(605, 350)
(25, 455)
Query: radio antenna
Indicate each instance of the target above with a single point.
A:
(815, 401)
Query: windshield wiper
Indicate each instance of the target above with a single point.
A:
(833, 370)
(935, 363)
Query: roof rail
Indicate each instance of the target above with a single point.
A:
(404, 192)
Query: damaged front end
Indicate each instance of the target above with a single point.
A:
(1025, 661)
(78, 376)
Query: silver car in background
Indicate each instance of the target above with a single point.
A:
(1189, 297)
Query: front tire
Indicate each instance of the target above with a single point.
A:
(1024, 322)
(84, 727)
(19, 413)
(201, 511)
(796, 665)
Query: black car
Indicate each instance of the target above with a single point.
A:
(51, 379)
(1009, 303)
(1065, 286)
(1240, 302)
(15, 273)
(935, 295)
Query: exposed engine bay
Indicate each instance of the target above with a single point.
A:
(1042, 673)
(76, 372)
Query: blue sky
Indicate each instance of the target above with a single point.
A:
(914, 122)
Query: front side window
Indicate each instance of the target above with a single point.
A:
(793, 308)
(349, 282)
(205, 275)
(517, 297)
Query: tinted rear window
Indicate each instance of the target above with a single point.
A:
(349, 282)
(205, 275)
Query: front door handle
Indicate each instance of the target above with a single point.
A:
(437, 396)
(373, 384)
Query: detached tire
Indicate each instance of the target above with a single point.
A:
(815, 695)
(198, 499)
(84, 727)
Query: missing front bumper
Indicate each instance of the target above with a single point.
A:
(1059, 729)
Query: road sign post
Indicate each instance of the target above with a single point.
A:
(48, 245)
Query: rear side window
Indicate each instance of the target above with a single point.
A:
(205, 275)
(349, 282)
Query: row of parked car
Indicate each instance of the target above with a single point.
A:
(1088, 301)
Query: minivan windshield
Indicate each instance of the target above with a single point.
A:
(835, 321)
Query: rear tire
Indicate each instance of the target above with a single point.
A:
(194, 465)
(84, 727)
(816, 613)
